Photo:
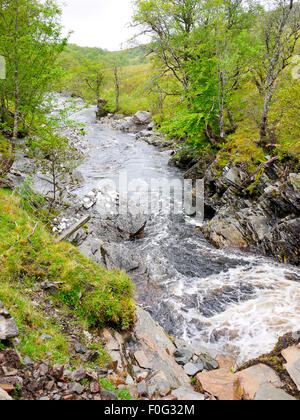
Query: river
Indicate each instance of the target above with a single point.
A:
(227, 300)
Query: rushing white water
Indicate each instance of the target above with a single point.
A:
(231, 301)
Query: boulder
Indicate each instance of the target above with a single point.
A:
(142, 118)
(132, 224)
(292, 356)
(8, 327)
(270, 393)
(255, 377)
(118, 256)
(221, 383)
(153, 350)
(191, 369)
(183, 356)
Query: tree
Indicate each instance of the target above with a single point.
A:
(170, 25)
(92, 75)
(30, 41)
(280, 31)
(117, 85)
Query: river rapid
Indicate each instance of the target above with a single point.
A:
(226, 300)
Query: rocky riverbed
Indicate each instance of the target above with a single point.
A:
(230, 302)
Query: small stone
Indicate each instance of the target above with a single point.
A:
(91, 356)
(79, 348)
(108, 395)
(57, 397)
(58, 371)
(27, 361)
(77, 388)
(94, 387)
(44, 399)
(208, 362)
(192, 369)
(46, 337)
(78, 375)
(183, 356)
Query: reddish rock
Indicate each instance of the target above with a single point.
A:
(292, 356)
(116, 379)
(254, 378)
(221, 383)
(226, 362)
(95, 387)
(7, 387)
(58, 371)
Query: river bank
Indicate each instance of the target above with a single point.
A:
(165, 257)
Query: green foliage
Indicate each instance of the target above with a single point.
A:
(123, 394)
(97, 296)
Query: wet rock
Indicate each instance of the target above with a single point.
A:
(8, 327)
(132, 224)
(153, 350)
(118, 256)
(254, 378)
(224, 233)
(292, 356)
(183, 356)
(187, 394)
(270, 393)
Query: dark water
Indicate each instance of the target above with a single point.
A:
(230, 301)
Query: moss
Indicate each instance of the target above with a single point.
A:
(87, 295)
(99, 296)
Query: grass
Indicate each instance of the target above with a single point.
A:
(87, 294)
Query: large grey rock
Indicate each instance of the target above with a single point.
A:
(270, 393)
(118, 256)
(8, 327)
(183, 356)
(191, 369)
(153, 350)
(142, 117)
(132, 223)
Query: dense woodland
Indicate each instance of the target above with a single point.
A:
(220, 76)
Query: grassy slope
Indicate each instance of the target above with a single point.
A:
(87, 295)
